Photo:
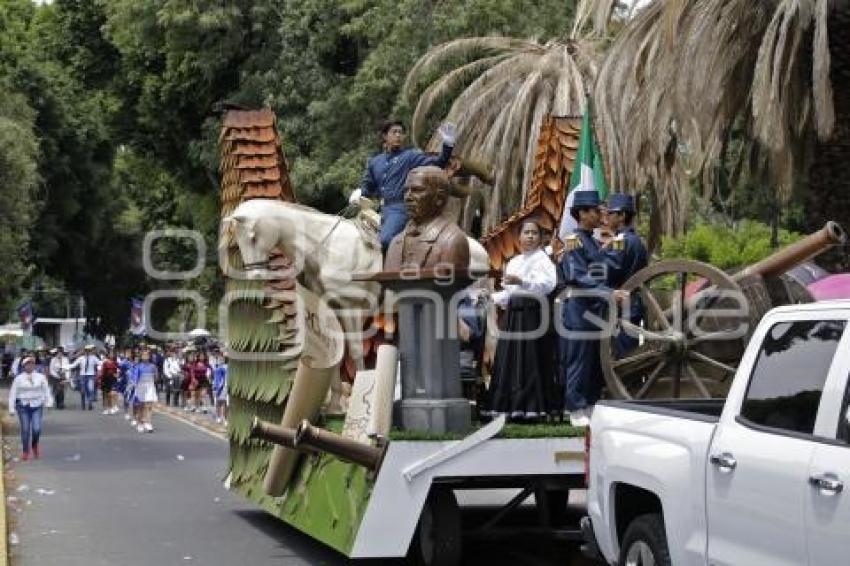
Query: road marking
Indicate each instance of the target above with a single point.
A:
(178, 417)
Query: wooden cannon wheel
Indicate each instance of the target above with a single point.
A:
(689, 342)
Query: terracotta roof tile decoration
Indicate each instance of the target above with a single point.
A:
(553, 164)
(252, 162)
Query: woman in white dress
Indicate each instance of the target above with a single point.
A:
(523, 368)
(145, 378)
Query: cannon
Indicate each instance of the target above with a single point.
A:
(276, 434)
(698, 319)
(311, 438)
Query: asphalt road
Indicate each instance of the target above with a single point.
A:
(103, 494)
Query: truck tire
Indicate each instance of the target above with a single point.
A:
(645, 543)
(438, 538)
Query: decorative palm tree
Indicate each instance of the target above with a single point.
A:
(683, 73)
(500, 90)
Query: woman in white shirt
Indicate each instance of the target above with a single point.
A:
(28, 396)
(523, 368)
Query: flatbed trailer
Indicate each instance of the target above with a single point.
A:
(409, 507)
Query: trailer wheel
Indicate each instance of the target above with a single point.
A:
(438, 538)
(645, 543)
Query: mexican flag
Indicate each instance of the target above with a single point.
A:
(588, 173)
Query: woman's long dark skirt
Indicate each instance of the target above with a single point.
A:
(523, 382)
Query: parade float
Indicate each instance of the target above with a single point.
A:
(367, 465)
(360, 441)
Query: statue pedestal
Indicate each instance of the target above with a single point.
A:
(429, 349)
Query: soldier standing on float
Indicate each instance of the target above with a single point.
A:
(386, 173)
(587, 270)
(632, 258)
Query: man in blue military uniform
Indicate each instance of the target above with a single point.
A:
(588, 271)
(386, 174)
(632, 258)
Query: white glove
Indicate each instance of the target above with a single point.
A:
(448, 132)
(354, 197)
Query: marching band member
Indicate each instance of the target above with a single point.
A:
(220, 391)
(145, 376)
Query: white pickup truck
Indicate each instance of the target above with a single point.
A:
(755, 480)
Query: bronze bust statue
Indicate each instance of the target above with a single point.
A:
(431, 239)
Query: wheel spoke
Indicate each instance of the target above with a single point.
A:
(709, 337)
(711, 361)
(640, 359)
(634, 331)
(698, 382)
(683, 282)
(652, 303)
(653, 377)
(677, 379)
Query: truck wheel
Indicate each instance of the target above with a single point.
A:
(645, 543)
(438, 538)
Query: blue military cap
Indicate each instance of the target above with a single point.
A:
(586, 198)
(621, 203)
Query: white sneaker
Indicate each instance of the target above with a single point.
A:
(218, 420)
(579, 418)
(133, 422)
(114, 410)
(126, 417)
(106, 412)
(148, 427)
(140, 428)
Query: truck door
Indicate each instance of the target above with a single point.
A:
(757, 477)
(828, 497)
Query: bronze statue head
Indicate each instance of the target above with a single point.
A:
(426, 193)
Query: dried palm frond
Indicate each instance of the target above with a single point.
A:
(683, 73)
(501, 90)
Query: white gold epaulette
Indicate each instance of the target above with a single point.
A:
(619, 242)
(573, 242)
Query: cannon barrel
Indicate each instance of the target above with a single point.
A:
(785, 259)
(276, 434)
(311, 437)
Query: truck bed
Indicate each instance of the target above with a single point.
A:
(706, 410)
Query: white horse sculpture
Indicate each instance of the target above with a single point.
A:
(327, 251)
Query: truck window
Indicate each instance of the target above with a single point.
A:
(844, 417)
(787, 380)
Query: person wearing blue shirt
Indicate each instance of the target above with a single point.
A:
(634, 257)
(386, 174)
(220, 391)
(588, 272)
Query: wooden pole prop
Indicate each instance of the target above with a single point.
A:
(380, 420)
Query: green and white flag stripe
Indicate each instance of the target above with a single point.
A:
(588, 173)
